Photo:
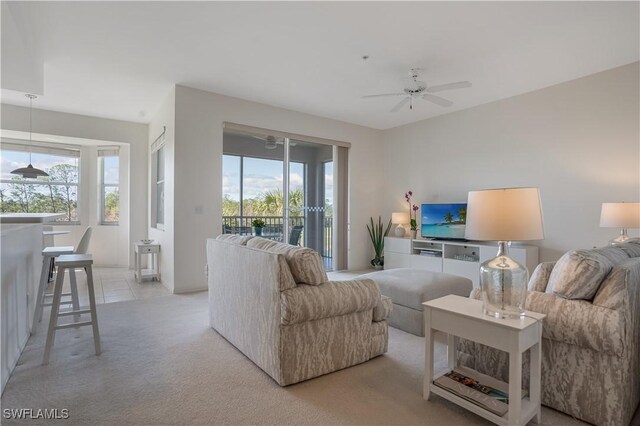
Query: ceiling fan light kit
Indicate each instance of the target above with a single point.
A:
(29, 172)
(414, 88)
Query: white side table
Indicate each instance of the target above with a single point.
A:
(152, 273)
(463, 317)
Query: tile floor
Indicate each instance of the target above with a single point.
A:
(114, 285)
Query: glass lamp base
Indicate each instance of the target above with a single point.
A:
(400, 231)
(504, 285)
(622, 238)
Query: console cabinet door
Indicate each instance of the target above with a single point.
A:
(396, 260)
(397, 245)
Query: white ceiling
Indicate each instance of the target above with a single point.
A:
(119, 59)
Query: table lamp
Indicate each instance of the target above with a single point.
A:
(504, 215)
(400, 219)
(620, 215)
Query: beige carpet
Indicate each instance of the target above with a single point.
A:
(162, 364)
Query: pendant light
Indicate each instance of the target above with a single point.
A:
(30, 172)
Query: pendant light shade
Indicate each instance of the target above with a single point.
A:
(30, 172)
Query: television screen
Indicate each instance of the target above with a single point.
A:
(446, 221)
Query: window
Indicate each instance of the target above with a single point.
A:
(57, 193)
(109, 176)
(157, 201)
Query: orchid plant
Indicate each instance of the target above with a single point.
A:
(413, 208)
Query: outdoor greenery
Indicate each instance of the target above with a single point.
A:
(57, 193)
(112, 206)
(268, 203)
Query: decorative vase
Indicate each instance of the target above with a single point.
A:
(414, 234)
(258, 230)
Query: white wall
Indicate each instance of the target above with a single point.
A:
(164, 117)
(199, 117)
(110, 244)
(577, 141)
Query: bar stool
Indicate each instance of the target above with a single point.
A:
(48, 257)
(71, 262)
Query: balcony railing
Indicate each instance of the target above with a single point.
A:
(273, 229)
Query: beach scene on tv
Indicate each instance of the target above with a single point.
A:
(445, 221)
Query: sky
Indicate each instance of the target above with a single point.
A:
(11, 160)
(262, 175)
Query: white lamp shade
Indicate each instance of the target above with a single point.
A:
(620, 215)
(506, 214)
(400, 218)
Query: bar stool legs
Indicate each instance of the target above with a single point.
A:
(71, 262)
(48, 255)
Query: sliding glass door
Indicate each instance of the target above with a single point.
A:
(284, 185)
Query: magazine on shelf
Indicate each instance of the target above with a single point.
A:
(487, 397)
(433, 253)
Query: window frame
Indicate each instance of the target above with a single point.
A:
(44, 150)
(157, 201)
(102, 186)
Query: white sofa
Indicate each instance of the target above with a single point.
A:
(274, 303)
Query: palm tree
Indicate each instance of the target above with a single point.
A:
(448, 217)
(462, 214)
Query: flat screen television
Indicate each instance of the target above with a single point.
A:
(443, 221)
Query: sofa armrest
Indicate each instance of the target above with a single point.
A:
(383, 309)
(579, 322)
(330, 299)
(540, 276)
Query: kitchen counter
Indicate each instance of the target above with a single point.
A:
(20, 269)
(29, 217)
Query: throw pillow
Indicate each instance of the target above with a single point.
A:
(578, 274)
(305, 264)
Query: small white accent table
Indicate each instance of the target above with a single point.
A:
(463, 317)
(152, 273)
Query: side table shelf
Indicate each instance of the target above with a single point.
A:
(153, 271)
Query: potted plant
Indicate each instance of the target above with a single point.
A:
(413, 223)
(258, 224)
(377, 234)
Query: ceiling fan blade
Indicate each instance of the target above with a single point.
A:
(437, 100)
(400, 104)
(383, 95)
(449, 86)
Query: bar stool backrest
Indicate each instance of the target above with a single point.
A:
(83, 245)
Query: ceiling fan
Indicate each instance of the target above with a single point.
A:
(272, 142)
(414, 89)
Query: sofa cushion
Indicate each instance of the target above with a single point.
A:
(305, 264)
(632, 248)
(234, 239)
(331, 299)
(578, 274)
(613, 292)
(614, 254)
(540, 277)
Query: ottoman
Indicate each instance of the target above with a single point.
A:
(408, 288)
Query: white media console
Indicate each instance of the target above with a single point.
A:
(452, 257)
